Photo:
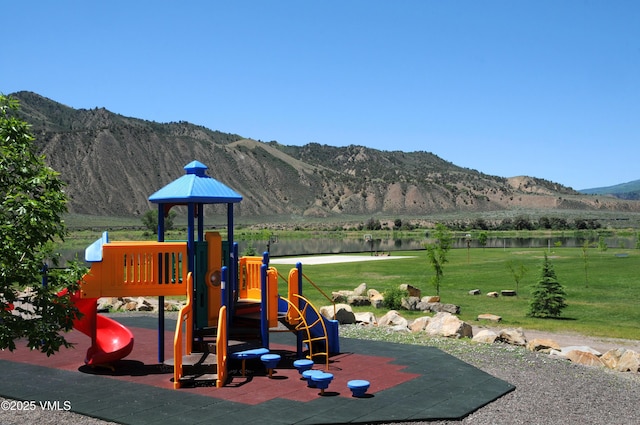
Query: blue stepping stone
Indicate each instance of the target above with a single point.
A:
(322, 380)
(358, 387)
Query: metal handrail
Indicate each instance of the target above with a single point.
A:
(323, 294)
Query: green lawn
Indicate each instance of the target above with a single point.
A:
(608, 306)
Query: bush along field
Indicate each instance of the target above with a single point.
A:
(601, 287)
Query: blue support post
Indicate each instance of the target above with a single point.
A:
(264, 323)
(224, 276)
(161, 298)
(299, 334)
(233, 279)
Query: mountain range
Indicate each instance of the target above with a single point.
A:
(629, 190)
(112, 163)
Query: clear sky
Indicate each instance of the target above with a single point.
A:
(549, 89)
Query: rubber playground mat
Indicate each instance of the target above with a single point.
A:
(408, 383)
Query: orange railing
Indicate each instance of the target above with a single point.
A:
(185, 315)
(138, 269)
(221, 347)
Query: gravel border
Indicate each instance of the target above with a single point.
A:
(548, 390)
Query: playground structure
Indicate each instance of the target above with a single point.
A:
(232, 302)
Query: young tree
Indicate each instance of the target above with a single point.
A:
(517, 272)
(437, 253)
(483, 237)
(585, 259)
(31, 206)
(548, 294)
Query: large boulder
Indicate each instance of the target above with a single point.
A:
(340, 296)
(629, 362)
(410, 303)
(358, 300)
(412, 290)
(449, 326)
(360, 290)
(622, 360)
(584, 358)
(489, 317)
(485, 336)
(438, 307)
(365, 317)
(512, 336)
(344, 313)
(419, 324)
(393, 319)
(375, 298)
(543, 345)
(430, 299)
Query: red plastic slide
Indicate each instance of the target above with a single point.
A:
(110, 341)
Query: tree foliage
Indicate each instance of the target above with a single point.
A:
(32, 204)
(517, 272)
(548, 296)
(393, 298)
(437, 253)
(150, 221)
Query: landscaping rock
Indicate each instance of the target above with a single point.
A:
(438, 307)
(412, 290)
(375, 298)
(508, 293)
(489, 317)
(584, 358)
(419, 324)
(340, 296)
(358, 300)
(492, 294)
(565, 350)
(629, 362)
(360, 290)
(543, 345)
(611, 358)
(430, 299)
(344, 313)
(512, 336)
(143, 305)
(410, 303)
(394, 319)
(170, 305)
(449, 326)
(130, 306)
(485, 336)
(474, 292)
(365, 318)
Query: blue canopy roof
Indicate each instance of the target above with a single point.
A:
(195, 187)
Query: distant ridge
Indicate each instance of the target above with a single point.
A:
(112, 163)
(629, 190)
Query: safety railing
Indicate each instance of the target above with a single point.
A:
(183, 338)
(138, 269)
(221, 347)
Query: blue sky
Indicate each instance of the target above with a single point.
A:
(549, 89)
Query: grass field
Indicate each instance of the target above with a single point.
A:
(605, 305)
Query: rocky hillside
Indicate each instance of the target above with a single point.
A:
(112, 163)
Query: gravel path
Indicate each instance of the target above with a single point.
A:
(548, 390)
